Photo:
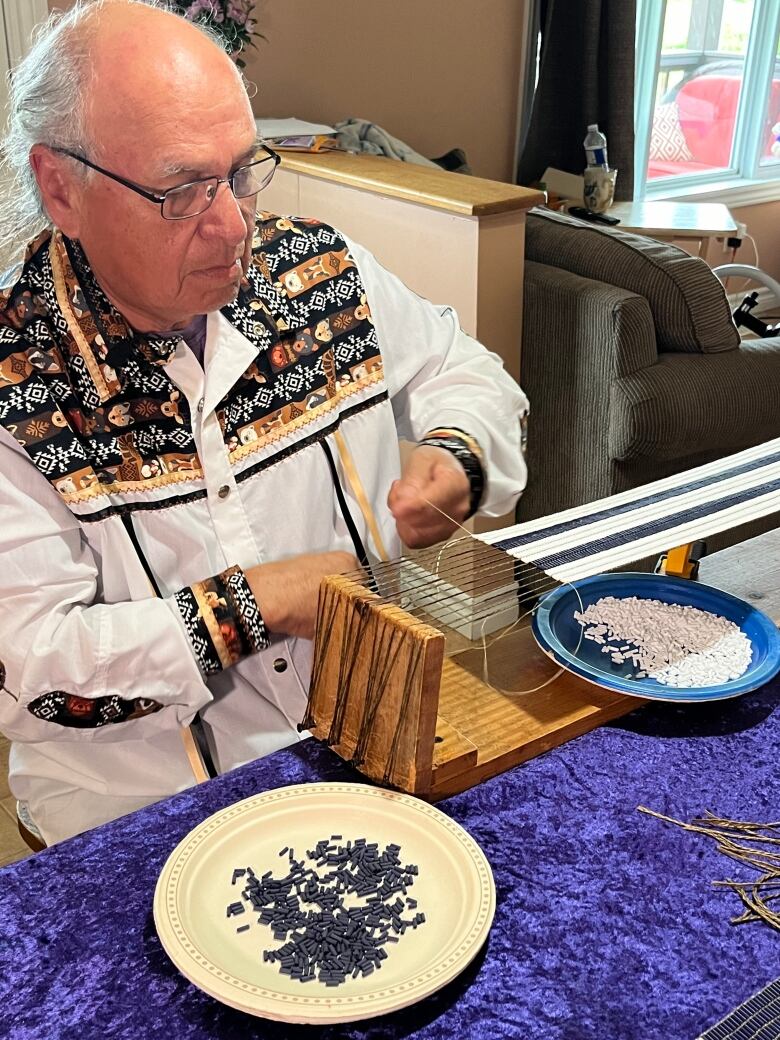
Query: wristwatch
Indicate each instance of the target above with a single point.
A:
(469, 455)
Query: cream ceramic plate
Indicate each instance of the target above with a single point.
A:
(454, 889)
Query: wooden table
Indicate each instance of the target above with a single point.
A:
(673, 221)
(750, 570)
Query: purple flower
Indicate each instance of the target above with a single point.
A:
(237, 11)
(198, 7)
(232, 15)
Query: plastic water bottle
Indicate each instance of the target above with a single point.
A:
(595, 146)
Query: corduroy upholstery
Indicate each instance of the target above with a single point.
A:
(611, 407)
(689, 306)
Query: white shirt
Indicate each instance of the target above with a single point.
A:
(76, 609)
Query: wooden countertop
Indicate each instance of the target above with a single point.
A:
(473, 196)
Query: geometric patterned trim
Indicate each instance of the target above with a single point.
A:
(57, 257)
(206, 599)
(198, 633)
(129, 508)
(246, 609)
(90, 400)
(222, 619)
(65, 709)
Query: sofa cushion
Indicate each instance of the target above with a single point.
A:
(688, 303)
(667, 141)
(684, 406)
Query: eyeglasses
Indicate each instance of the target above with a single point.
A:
(195, 197)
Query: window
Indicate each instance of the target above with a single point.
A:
(708, 99)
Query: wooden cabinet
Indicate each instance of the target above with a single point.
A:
(454, 239)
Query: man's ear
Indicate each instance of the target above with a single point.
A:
(60, 189)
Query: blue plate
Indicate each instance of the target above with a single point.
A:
(558, 634)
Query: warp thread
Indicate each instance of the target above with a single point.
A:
(353, 479)
(485, 644)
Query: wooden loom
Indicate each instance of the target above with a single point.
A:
(397, 685)
(397, 690)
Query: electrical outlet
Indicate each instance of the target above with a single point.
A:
(727, 243)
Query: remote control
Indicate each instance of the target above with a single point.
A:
(595, 218)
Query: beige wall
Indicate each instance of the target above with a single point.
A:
(763, 223)
(439, 74)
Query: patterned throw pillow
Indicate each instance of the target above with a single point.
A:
(667, 143)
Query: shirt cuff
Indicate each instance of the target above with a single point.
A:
(222, 619)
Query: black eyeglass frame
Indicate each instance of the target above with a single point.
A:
(159, 199)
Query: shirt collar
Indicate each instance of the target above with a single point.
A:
(120, 338)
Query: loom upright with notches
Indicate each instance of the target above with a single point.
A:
(397, 684)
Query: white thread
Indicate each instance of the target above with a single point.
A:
(485, 644)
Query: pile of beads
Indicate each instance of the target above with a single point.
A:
(334, 909)
(676, 645)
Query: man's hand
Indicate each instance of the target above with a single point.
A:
(435, 475)
(287, 591)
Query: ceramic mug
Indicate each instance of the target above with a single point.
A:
(599, 193)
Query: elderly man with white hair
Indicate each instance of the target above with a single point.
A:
(195, 398)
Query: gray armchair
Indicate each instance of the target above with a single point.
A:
(632, 364)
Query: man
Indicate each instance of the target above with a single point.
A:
(174, 486)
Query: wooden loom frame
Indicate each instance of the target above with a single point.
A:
(427, 724)
(436, 729)
(457, 731)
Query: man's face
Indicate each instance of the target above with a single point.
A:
(160, 272)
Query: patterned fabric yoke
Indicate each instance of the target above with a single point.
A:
(88, 398)
(91, 403)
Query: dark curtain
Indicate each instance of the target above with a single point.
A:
(586, 75)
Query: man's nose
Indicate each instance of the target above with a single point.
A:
(225, 219)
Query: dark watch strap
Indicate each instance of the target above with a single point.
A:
(470, 462)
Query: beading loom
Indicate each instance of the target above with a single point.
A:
(399, 679)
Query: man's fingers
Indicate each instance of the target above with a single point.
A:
(405, 499)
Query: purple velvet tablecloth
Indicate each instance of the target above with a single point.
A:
(607, 925)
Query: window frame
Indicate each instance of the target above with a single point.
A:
(746, 180)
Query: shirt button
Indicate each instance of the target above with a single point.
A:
(280, 665)
(200, 405)
(224, 491)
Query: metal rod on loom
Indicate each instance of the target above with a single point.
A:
(514, 592)
(425, 588)
(407, 584)
(467, 553)
(452, 611)
(462, 564)
(451, 572)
